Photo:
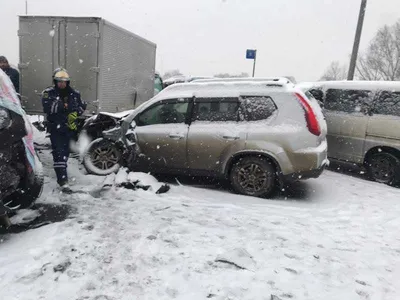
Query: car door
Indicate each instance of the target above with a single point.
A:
(214, 131)
(347, 120)
(162, 131)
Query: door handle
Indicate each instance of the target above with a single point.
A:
(230, 137)
(176, 136)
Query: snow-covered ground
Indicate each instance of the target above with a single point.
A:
(332, 238)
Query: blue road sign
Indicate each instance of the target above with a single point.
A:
(251, 54)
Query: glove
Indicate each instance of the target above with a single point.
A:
(72, 121)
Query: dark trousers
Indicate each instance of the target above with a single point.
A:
(60, 144)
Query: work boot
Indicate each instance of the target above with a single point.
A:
(5, 221)
(64, 186)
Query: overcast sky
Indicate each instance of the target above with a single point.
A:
(204, 37)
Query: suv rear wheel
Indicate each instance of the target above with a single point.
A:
(253, 176)
(384, 167)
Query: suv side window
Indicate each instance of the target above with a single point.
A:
(388, 103)
(216, 109)
(349, 101)
(171, 111)
(256, 108)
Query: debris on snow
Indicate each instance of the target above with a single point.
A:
(291, 256)
(164, 208)
(293, 271)
(25, 216)
(361, 282)
(61, 267)
(287, 295)
(163, 189)
(239, 258)
(137, 180)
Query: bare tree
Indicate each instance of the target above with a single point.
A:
(227, 75)
(381, 61)
(171, 73)
(335, 71)
(365, 68)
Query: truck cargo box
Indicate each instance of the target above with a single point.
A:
(112, 68)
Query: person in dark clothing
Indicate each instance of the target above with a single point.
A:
(62, 105)
(12, 73)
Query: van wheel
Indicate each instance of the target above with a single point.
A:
(253, 176)
(384, 168)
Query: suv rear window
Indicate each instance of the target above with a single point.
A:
(349, 101)
(256, 108)
(216, 109)
(388, 103)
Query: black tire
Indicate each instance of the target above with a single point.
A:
(102, 158)
(26, 196)
(262, 184)
(384, 167)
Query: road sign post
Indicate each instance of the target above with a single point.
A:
(252, 54)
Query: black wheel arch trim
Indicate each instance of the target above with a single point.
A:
(238, 155)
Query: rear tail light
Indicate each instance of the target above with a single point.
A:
(312, 121)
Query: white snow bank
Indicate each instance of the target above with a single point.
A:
(25, 216)
(238, 257)
(336, 239)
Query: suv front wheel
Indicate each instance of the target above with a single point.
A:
(253, 176)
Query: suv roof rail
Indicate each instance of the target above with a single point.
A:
(282, 80)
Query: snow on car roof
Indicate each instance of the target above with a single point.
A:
(219, 89)
(173, 79)
(355, 85)
(222, 89)
(241, 79)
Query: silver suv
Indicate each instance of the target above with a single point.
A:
(253, 133)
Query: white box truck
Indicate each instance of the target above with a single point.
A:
(113, 68)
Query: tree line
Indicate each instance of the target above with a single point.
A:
(380, 61)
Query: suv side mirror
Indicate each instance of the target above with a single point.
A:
(133, 124)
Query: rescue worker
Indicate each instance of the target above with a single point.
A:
(62, 105)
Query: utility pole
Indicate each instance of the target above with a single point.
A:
(356, 45)
(254, 63)
(26, 7)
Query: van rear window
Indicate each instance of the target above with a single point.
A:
(256, 108)
(349, 101)
(388, 103)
